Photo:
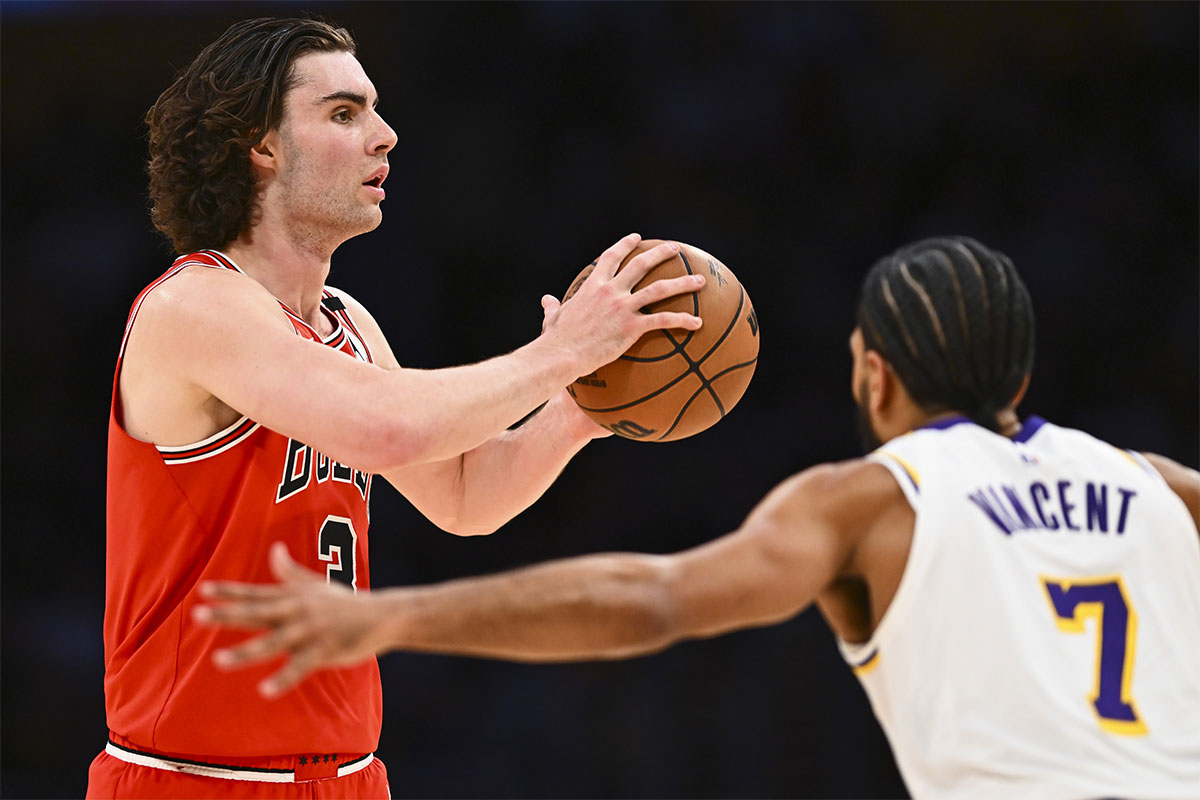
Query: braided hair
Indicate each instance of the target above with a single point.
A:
(955, 321)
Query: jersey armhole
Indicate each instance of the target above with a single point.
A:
(863, 657)
(904, 473)
(1143, 462)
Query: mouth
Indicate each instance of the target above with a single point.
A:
(375, 184)
(377, 178)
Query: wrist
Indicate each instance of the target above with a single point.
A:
(562, 360)
(579, 427)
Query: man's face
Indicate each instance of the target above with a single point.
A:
(867, 437)
(331, 152)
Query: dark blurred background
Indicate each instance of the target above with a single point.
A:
(797, 142)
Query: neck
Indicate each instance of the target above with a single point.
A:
(295, 273)
(1009, 424)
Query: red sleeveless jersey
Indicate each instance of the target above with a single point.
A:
(210, 511)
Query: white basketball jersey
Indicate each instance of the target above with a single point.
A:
(1044, 641)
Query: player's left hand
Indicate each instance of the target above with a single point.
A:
(315, 623)
(579, 421)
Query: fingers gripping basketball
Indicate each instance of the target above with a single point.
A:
(674, 383)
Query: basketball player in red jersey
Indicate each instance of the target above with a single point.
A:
(251, 402)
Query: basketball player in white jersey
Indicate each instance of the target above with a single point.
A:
(1021, 601)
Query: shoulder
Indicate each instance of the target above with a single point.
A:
(199, 293)
(847, 496)
(837, 483)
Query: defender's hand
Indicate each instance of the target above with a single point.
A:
(316, 623)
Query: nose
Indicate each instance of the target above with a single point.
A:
(384, 139)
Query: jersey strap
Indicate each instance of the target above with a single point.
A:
(334, 303)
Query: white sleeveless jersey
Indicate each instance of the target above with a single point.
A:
(1044, 641)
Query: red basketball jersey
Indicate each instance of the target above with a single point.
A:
(210, 511)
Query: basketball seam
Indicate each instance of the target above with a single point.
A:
(694, 366)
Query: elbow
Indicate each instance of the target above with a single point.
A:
(391, 443)
(654, 621)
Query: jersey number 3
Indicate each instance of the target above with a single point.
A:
(1104, 600)
(336, 544)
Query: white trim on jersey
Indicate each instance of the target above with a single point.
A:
(226, 773)
(183, 448)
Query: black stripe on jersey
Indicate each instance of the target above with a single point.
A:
(222, 259)
(335, 304)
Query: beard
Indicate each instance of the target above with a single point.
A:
(867, 438)
(322, 209)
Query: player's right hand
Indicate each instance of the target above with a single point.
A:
(604, 317)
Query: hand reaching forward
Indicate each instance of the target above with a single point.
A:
(317, 623)
(604, 317)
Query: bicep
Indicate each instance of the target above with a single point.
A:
(788, 550)
(249, 357)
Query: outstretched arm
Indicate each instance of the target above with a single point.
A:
(798, 540)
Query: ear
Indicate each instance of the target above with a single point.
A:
(262, 155)
(880, 381)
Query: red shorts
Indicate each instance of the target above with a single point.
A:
(125, 772)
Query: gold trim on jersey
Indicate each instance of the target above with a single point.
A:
(909, 469)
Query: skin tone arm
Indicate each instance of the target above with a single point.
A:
(797, 543)
(376, 419)
(477, 492)
(480, 490)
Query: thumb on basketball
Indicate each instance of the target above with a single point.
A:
(550, 305)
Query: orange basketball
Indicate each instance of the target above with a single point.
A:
(675, 383)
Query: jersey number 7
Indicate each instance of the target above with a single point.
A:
(1104, 600)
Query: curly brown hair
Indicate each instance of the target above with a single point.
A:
(202, 186)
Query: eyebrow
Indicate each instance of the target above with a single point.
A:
(350, 97)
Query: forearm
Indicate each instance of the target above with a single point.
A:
(448, 412)
(496, 481)
(602, 606)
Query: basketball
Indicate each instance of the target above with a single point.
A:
(674, 383)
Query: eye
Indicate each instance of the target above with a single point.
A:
(342, 116)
